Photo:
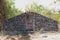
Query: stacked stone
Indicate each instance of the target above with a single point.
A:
(46, 23)
(21, 24)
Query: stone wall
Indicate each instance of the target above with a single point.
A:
(31, 22)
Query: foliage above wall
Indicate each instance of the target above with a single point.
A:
(9, 10)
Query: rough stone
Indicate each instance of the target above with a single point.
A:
(30, 21)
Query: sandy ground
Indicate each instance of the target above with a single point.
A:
(35, 36)
(46, 36)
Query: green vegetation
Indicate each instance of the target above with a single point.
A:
(45, 12)
(9, 10)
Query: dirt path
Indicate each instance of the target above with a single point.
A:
(35, 36)
(46, 36)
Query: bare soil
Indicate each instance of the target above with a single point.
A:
(34, 36)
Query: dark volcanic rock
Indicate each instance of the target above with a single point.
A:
(30, 21)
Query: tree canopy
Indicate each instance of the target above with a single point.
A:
(8, 10)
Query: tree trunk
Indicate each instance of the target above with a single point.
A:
(2, 12)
